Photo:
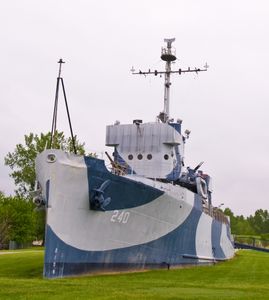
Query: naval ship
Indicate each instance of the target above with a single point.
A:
(146, 211)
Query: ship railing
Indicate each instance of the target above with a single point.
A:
(219, 215)
(254, 241)
(206, 210)
(215, 213)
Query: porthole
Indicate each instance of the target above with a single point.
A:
(51, 158)
(149, 156)
(139, 156)
(130, 157)
(166, 156)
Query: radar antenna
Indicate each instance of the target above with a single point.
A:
(168, 54)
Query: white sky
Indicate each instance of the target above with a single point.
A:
(226, 108)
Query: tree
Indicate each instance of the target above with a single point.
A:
(228, 212)
(239, 225)
(260, 221)
(257, 224)
(17, 220)
(22, 160)
(4, 223)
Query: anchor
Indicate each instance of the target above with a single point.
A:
(98, 201)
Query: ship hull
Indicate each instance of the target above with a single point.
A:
(147, 224)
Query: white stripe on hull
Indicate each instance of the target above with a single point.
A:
(225, 243)
(203, 236)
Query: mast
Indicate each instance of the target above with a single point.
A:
(168, 54)
(168, 57)
(55, 110)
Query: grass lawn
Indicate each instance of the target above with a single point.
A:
(244, 277)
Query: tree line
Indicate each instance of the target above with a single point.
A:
(20, 221)
(256, 225)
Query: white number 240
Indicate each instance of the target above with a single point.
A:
(120, 216)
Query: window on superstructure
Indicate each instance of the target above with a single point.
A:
(139, 156)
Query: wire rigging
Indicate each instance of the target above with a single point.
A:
(60, 81)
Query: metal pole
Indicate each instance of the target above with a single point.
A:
(167, 84)
(54, 118)
(55, 110)
(167, 81)
(69, 119)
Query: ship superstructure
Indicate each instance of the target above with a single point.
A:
(147, 211)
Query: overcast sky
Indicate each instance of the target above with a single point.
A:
(226, 108)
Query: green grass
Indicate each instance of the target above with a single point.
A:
(248, 236)
(244, 277)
